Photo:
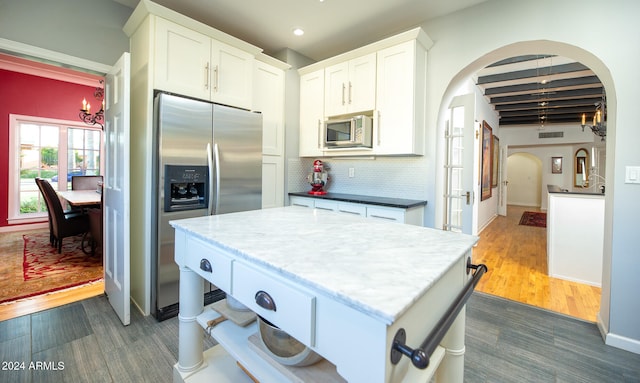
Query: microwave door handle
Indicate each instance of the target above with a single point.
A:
(352, 138)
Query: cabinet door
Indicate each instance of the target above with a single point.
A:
(231, 75)
(182, 60)
(268, 98)
(336, 78)
(272, 181)
(350, 87)
(400, 98)
(311, 113)
(361, 89)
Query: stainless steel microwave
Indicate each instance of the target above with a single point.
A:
(352, 132)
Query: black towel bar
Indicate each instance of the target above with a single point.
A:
(420, 356)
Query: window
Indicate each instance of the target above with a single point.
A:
(55, 150)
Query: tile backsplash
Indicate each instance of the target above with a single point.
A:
(395, 177)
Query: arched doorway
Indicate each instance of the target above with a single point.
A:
(524, 48)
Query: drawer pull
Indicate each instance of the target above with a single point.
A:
(264, 300)
(205, 265)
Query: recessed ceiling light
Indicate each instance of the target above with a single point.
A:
(298, 31)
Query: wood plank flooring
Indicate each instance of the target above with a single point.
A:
(506, 342)
(516, 256)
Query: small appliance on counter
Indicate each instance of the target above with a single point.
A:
(318, 179)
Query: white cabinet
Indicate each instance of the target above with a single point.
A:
(350, 86)
(311, 113)
(400, 100)
(386, 79)
(413, 215)
(193, 64)
(268, 98)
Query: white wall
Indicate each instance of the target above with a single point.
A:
(469, 40)
(486, 210)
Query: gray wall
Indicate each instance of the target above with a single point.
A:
(89, 29)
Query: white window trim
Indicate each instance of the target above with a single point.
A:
(13, 210)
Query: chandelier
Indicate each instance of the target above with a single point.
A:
(599, 125)
(85, 112)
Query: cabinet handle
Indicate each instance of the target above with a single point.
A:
(382, 217)
(349, 212)
(350, 88)
(319, 134)
(215, 79)
(343, 89)
(205, 265)
(264, 300)
(206, 76)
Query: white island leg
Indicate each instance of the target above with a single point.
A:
(190, 339)
(451, 368)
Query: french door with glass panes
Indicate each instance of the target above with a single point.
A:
(459, 166)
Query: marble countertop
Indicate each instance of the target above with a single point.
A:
(558, 189)
(379, 268)
(371, 200)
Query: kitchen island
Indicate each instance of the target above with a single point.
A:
(342, 285)
(575, 235)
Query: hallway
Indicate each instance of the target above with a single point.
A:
(516, 256)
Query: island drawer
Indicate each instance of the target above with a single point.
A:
(209, 263)
(293, 306)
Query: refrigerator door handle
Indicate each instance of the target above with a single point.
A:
(210, 164)
(216, 153)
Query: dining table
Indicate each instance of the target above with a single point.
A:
(81, 198)
(85, 200)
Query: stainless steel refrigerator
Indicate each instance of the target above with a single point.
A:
(208, 161)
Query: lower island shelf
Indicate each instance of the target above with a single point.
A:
(241, 344)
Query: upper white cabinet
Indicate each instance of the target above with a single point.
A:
(193, 64)
(311, 113)
(400, 100)
(350, 86)
(386, 79)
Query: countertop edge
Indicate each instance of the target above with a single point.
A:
(370, 200)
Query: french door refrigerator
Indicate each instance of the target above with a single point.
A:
(208, 160)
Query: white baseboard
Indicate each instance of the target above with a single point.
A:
(617, 341)
(622, 342)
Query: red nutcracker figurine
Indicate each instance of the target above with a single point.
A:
(318, 179)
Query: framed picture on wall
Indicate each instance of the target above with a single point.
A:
(556, 165)
(485, 161)
(495, 161)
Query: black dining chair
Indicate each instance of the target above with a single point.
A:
(61, 224)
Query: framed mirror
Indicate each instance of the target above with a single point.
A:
(581, 168)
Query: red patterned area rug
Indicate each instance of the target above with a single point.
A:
(44, 270)
(534, 218)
